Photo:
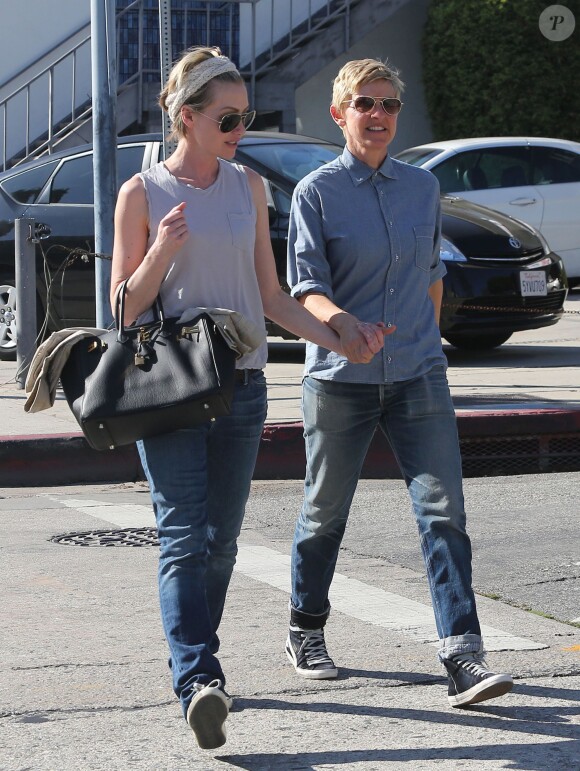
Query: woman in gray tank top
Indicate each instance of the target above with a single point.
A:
(195, 229)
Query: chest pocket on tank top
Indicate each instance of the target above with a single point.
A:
(243, 230)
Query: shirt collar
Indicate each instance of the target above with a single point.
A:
(360, 172)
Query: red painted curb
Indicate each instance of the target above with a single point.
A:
(60, 459)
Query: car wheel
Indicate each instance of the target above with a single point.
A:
(9, 319)
(8, 325)
(477, 342)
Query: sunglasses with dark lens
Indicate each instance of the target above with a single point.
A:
(232, 120)
(390, 104)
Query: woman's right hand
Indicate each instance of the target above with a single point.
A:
(172, 232)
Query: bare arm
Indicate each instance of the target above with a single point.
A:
(360, 340)
(436, 295)
(278, 305)
(131, 258)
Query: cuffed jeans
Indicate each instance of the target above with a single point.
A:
(199, 481)
(418, 419)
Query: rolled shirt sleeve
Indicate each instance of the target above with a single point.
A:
(308, 269)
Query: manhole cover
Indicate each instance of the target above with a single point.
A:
(130, 536)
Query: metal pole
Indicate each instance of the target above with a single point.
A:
(166, 61)
(253, 62)
(104, 86)
(25, 297)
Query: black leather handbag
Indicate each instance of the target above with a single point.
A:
(140, 381)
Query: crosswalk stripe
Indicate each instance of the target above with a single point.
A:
(347, 595)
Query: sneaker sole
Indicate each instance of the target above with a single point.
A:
(311, 674)
(206, 717)
(491, 688)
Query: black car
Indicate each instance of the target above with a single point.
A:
(501, 275)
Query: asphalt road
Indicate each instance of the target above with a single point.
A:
(84, 683)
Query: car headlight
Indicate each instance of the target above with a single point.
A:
(543, 263)
(450, 253)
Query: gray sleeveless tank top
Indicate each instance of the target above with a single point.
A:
(215, 267)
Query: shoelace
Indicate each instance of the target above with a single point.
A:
(475, 665)
(314, 647)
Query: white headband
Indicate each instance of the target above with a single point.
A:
(195, 79)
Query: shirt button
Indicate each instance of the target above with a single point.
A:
(389, 359)
(390, 224)
(396, 258)
(389, 324)
(391, 291)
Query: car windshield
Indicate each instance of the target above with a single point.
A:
(417, 157)
(292, 160)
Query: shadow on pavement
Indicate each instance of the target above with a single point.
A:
(546, 721)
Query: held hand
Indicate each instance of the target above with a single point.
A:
(172, 232)
(374, 334)
(362, 340)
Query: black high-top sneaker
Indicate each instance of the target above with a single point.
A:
(470, 680)
(306, 650)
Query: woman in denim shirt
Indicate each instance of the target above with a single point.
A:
(364, 256)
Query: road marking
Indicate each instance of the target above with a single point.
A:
(348, 595)
(369, 603)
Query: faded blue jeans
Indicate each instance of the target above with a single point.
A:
(418, 419)
(199, 481)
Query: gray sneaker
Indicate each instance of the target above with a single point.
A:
(207, 713)
(306, 650)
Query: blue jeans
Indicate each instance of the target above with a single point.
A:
(418, 419)
(199, 481)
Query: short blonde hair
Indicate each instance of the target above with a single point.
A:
(201, 98)
(360, 72)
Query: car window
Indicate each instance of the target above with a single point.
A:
(73, 182)
(485, 169)
(26, 186)
(293, 160)
(555, 166)
(282, 200)
(450, 176)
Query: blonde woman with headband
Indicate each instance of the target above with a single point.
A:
(195, 230)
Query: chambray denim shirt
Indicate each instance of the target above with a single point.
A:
(369, 240)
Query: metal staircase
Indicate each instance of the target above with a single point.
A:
(59, 83)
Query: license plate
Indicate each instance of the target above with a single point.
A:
(533, 283)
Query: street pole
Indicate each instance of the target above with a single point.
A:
(25, 250)
(104, 87)
(165, 52)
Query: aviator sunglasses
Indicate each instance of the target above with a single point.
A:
(232, 120)
(390, 104)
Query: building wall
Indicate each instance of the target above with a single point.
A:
(399, 41)
(272, 21)
(29, 28)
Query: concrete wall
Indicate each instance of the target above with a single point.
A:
(29, 28)
(398, 40)
(273, 20)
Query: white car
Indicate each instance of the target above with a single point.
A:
(533, 179)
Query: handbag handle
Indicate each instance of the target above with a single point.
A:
(157, 307)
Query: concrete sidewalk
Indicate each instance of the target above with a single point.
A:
(524, 396)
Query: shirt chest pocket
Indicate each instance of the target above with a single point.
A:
(243, 231)
(423, 246)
